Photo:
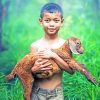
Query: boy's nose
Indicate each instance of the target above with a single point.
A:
(51, 23)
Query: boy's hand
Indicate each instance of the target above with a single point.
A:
(47, 53)
(41, 65)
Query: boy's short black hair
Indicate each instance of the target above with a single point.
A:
(51, 8)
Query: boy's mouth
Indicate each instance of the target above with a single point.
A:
(51, 29)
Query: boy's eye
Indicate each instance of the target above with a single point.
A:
(56, 20)
(47, 20)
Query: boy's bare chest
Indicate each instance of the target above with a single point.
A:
(49, 45)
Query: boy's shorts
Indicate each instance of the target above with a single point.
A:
(45, 94)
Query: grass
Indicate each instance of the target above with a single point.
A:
(10, 90)
(76, 87)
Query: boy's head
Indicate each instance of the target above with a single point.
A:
(51, 18)
(51, 8)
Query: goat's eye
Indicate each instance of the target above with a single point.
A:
(78, 43)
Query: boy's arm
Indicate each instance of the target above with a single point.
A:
(39, 65)
(63, 64)
(58, 60)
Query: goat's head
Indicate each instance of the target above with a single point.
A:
(75, 45)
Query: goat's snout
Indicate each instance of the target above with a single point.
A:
(81, 51)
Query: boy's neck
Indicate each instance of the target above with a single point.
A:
(51, 37)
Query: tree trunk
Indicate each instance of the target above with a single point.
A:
(1, 9)
(3, 16)
(6, 10)
(96, 4)
(96, 11)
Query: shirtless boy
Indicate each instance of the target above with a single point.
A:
(51, 19)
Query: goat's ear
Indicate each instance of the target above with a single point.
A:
(72, 38)
(72, 46)
(71, 42)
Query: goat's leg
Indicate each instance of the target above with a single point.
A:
(27, 81)
(82, 69)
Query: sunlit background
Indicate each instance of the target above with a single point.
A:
(19, 27)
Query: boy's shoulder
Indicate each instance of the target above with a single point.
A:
(37, 43)
(40, 44)
(62, 41)
(58, 44)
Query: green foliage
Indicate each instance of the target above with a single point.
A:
(11, 90)
(23, 28)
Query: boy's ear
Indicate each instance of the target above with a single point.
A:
(40, 21)
(62, 21)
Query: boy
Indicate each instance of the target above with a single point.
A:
(51, 19)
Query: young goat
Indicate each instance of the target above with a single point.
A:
(23, 67)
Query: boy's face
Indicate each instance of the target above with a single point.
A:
(51, 22)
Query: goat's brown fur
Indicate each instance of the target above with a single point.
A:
(23, 67)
